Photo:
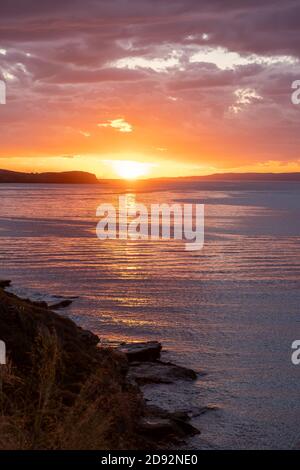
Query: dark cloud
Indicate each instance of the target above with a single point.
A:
(252, 26)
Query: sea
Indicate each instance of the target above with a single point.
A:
(231, 310)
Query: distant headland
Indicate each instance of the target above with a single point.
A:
(82, 177)
(68, 177)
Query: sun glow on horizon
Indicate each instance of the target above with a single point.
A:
(119, 167)
(130, 169)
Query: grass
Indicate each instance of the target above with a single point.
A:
(61, 393)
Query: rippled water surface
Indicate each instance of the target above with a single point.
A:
(230, 310)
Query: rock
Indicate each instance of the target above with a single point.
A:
(63, 304)
(4, 284)
(159, 372)
(39, 303)
(185, 428)
(153, 410)
(203, 410)
(180, 415)
(148, 351)
(156, 428)
(88, 337)
(167, 427)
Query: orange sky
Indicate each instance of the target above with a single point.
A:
(169, 88)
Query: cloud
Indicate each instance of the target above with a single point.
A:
(225, 59)
(85, 133)
(158, 64)
(119, 124)
(7, 75)
(244, 97)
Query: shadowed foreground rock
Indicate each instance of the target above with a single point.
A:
(60, 391)
(166, 425)
(147, 368)
(159, 372)
(60, 305)
(149, 351)
(4, 284)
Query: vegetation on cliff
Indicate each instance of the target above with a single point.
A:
(58, 390)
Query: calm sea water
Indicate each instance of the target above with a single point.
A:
(230, 310)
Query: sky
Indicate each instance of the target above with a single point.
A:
(148, 87)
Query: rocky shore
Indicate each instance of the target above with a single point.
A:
(61, 390)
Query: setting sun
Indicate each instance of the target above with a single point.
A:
(129, 169)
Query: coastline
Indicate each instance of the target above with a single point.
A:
(61, 390)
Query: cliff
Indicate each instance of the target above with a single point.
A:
(68, 177)
(58, 389)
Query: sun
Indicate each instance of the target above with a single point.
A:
(129, 169)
